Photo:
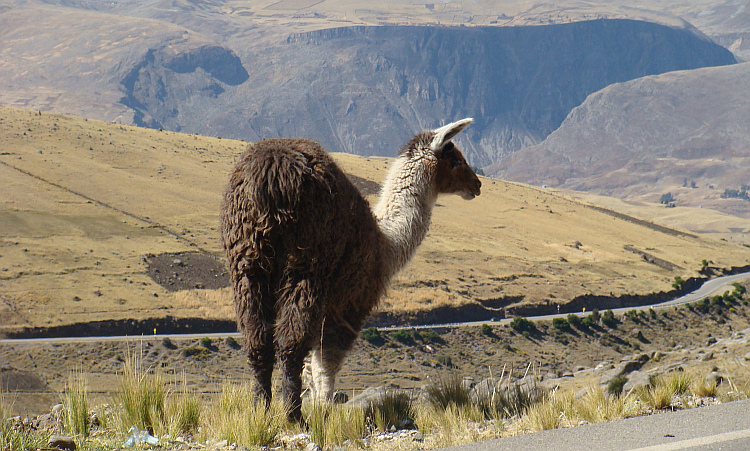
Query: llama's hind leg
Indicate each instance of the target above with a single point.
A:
(296, 326)
(255, 317)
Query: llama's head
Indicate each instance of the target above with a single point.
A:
(454, 175)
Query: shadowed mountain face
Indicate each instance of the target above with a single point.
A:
(682, 132)
(363, 90)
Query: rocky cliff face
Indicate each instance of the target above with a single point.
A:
(165, 82)
(365, 90)
(682, 132)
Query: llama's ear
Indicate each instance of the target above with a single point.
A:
(447, 132)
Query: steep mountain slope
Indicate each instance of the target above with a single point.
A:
(682, 132)
(222, 70)
(101, 222)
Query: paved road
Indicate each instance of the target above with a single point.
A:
(710, 288)
(725, 427)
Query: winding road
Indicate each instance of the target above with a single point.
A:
(710, 288)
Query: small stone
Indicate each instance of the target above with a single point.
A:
(57, 409)
(177, 262)
(714, 377)
(747, 356)
(61, 442)
(707, 356)
(312, 446)
(710, 341)
(418, 437)
(340, 397)
(637, 379)
(637, 334)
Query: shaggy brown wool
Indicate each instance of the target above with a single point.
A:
(302, 245)
(309, 260)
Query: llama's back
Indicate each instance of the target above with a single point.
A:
(289, 212)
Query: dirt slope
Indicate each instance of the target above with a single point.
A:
(87, 204)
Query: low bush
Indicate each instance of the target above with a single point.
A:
(575, 320)
(522, 325)
(595, 315)
(560, 324)
(403, 336)
(371, 335)
(429, 336)
(608, 319)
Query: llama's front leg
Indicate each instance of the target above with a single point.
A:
(327, 360)
(323, 381)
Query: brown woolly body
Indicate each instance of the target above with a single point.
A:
(299, 238)
(308, 258)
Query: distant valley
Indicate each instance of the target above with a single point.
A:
(361, 87)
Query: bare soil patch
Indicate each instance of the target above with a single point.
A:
(187, 270)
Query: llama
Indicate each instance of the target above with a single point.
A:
(308, 258)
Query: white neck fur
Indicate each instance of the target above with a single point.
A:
(404, 210)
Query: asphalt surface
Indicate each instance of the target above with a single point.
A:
(725, 426)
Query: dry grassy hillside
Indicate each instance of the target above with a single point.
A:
(85, 203)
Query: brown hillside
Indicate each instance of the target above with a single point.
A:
(87, 206)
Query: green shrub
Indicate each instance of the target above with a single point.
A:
(486, 329)
(739, 289)
(632, 315)
(595, 315)
(521, 324)
(232, 343)
(678, 282)
(608, 319)
(587, 321)
(196, 353)
(652, 312)
(429, 335)
(560, 324)
(575, 320)
(371, 335)
(402, 335)
(206, 342)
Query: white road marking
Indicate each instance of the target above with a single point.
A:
(700, 441)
